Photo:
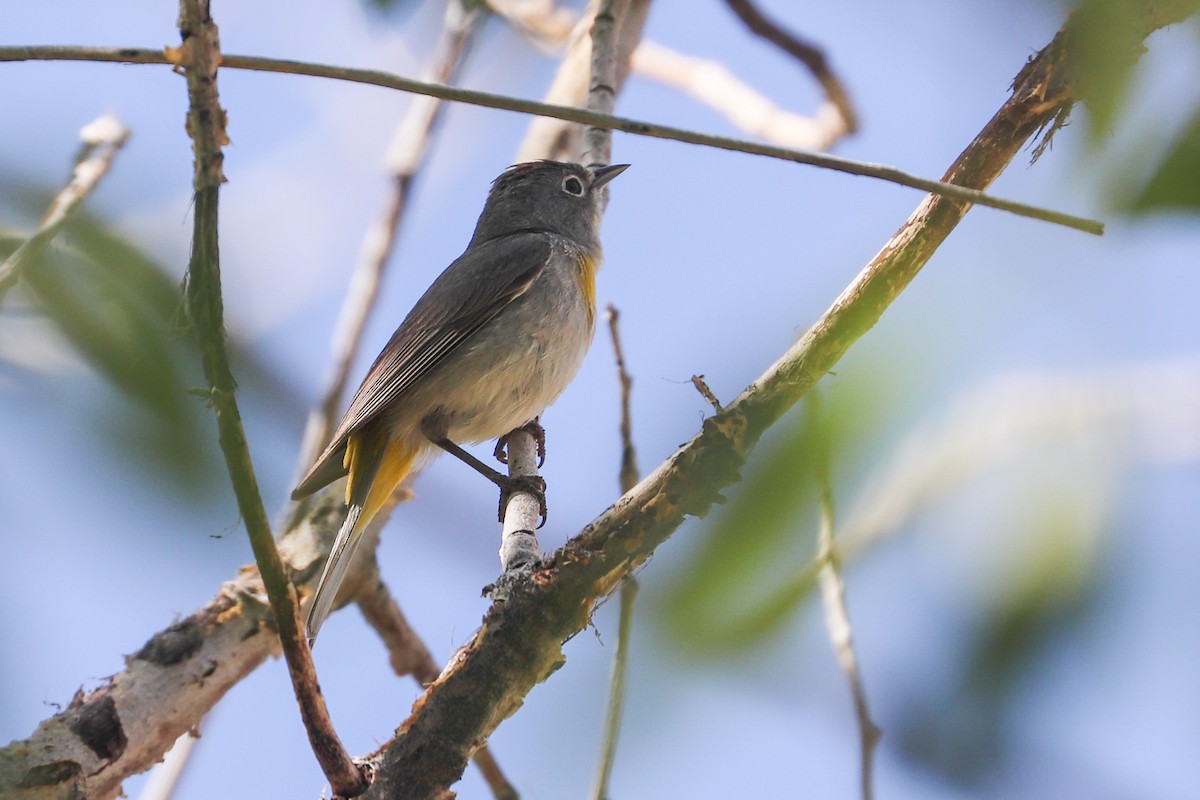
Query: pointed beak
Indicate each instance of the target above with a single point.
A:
(602, 175)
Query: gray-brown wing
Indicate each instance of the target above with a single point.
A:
(471, 291)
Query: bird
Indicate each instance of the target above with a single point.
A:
(492, 342)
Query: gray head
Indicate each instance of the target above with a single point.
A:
(550, 196)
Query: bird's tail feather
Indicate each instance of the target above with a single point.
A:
(376, 469)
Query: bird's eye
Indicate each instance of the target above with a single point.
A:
(572, 185)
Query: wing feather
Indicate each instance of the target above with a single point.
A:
(481, 282)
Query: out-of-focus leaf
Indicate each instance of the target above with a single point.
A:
(122, 313)
(962, 733)
(1109, 46)
(740, 587)
(1175, 185)
(119, 312)
(406, 7)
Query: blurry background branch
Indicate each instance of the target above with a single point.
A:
(102, 140)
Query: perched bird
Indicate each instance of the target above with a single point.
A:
(492, 342)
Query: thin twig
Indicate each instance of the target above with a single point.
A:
(837, 615)
(616, 690)
(198, 56)
(707, 393)
(629, 587)
(716, 86)
(709, 82)
(958, 193)
(629, 473)
(808, 54)
(102, 140)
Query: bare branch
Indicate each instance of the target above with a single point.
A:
(629, 473)
(629, 587)
(714, 84)
(837, 616)
(102, 139)
(708, 82)
(199, 57)
(808, 54)
(959, 193)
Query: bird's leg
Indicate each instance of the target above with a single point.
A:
(509, 485)
(534, 429)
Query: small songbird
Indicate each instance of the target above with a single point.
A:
(492, 342)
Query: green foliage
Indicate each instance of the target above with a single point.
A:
(1109, 46)
(752, 571)
(1046, 589)
(1175, 184)
(117, 310)
(1109, 51)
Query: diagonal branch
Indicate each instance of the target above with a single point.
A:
(519, 643)
(806, 53)
(133, 55)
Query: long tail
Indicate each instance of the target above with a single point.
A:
(377, 464)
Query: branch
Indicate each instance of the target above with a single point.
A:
(807, 54)
(628, 476)
(837, 615)
(199, 56)
(712, 83)
(388, 80)
(519, 643)
(629, 473)
(709, 82)
(102, 139)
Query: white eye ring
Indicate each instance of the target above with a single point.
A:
(572, 185)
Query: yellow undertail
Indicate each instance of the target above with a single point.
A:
(375, 470)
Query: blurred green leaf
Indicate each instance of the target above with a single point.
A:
(1175, 185)
(749, 575)
(118, 310)
(962, 731)
(406, 7)
(1109, 46)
